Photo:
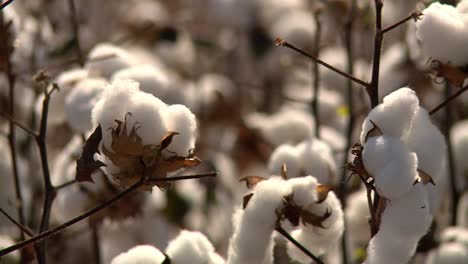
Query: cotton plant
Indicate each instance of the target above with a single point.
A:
(141, 135)
(187, 247)
(105, 59)
(311, 157)
(403, 155)
(314, 213)
(453, 247)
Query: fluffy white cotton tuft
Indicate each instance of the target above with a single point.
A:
(303, 190)
(285, 154)
(448, 253)
(143, 254)
(178, 118)
(455, 234)
(297, 27)
(391, 164)
(317, 160)
(105, 59)
(192, 247)
(253, 227)
(80, 102)
(442, 32)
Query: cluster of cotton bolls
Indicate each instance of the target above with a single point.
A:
(185, 87)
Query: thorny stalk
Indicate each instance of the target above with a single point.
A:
(291, 239)
(93, 211)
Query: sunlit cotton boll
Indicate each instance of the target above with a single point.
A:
(105, 59)
(80, 102)
(146, 254)
(317, 160)
(288, 155)
(192, 248)
(442, 32)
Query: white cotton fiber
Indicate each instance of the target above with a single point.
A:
(317, 160)
(192, 248)
(253, 226)
(153, 80)
(80, 102)
(357, 215)
(143, 254)
(391, 164)
(304, 190)
(297, 27)
(178, 118)
(442, 32)
(457, 234)
(448, 253)
(105, 59)
(285, 154)
(394, 115)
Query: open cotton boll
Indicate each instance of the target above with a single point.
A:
(285, 154)
(393, 69)
(152, 79)
(178, 118)
(448, 253)
(192, 247)
(391, 164)
(296, 26)
(80, 102)
(394, 115)
(457, 234)
(319, 240)
(140, 254)
(357, 215)
(303, 190)
(404, 221)
(105, 59)
(254, 226)
(442, 32)
(317, 160)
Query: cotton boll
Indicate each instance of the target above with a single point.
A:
(317, 160)
(455, 234)
(80, 102)
(442, 32)
(178, 118)
(255, 224)
(394, 115)
(285, 154)
(448, 253)
(357, 215)
(297, 27)
(152, 79)
(192, 247)
(179, 54)
(105, 59)
(391, 164)
(393, 69)
(140, 254)
(303, 190)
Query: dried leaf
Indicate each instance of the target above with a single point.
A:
(424, 177)
(86, 164)
(246, 199)
(251, 181)
(313, 219)
(124, 144)
(167, 139)
(284, 171)
(322, 192)
(452, 74)
(374, 132)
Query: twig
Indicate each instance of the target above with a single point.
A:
(76, 32)
(372, 220)
(448, 100)
(316, 75)
(415, 16)
(188, 177)
(64, 185)
(19, 124)
(6, 4)
(6, 56)
(283, 232)
(24, 228)
(92, 211)
(281, 42)
(373, 88)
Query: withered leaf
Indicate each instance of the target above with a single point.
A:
(322, 192)
(314, 219)
(424, 177)
(251, 181)
(167, 139)
(452, 74)
(374, 132)
(246, 199)
(86, 164)
(123, 143)
(284, 171)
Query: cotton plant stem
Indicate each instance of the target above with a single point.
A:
(414, 16)
(94, 210)
(5, 4)
(8, 70)
(447, 100)
(285, 234)
(23, 228)
(76, 32)
(316, 75)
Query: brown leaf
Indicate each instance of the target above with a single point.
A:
(123, 143)
(251, 181)
(374, 132)
(167, 139)
(246, 199)
(322, 192)
(86, 164)
(424, 177)
(452, 74)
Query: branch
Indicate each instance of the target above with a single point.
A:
(285, 234)
(19, 124)
(22, 227)
(448, 100)
(6, 4)
(179, 178)
(76, 32)
(316, 75)
(64, 185)
(373, 88)
(281, 42)
(415, 16)
(93, 211)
